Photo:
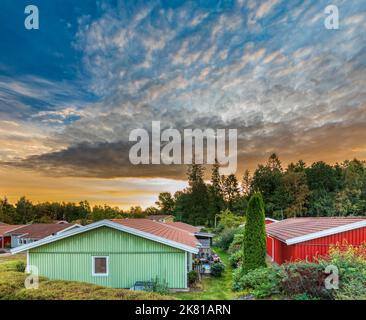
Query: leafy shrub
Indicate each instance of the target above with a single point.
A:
(304, 296)
(262, 282)
(236, 258)
(305, 278)
(225, 238)
(217, 269)
(12, 265)
(20, 266)
(237, 243)
(229, 220)
(351, 263)
(353, 289)
(193, 277)
(155, 285)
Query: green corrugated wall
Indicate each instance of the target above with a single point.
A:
(131, 259)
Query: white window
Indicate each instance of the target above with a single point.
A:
(100, 266)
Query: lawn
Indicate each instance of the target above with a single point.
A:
(12, 287)
(213, 288)
(13, 257)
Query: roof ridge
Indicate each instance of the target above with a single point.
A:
(172, 227)
(292, 233)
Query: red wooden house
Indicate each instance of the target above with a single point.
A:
(269, 220)
(5, 240)
(307, 238)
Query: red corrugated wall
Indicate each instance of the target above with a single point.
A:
(266, 221)
(7, 241)
(309, 250)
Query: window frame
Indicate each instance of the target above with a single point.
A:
(93, 267)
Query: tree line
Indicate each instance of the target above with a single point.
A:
(24, 211)
(298, 190)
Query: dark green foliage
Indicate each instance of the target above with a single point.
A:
(267, 180)
(229, 220)
(231, 190)
(225, 238)
(299, 190)
(191, 204)
(351, 263)
(304, 296)
(254, 244)
(158, 286)
(20, 266)
(25, 212)
(217, 269)
(306, 280)
(215, 190)
(322, 176)
(166, 203)
(236, 258)
(193, 277)
(262, 282)
(236, 249)
(237, 243)
(318, 190)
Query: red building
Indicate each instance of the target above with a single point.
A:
(269, 220)
(307, 238)
(5, 240)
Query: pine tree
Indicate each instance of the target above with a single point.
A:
(254, 244)
(215, 178)
(274, 163)
(246, 183)
(231, 191)
(198, 196)
(216, 199)
(195, 174)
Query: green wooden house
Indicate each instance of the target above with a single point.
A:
(115, 253)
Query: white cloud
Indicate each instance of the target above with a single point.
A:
(265, 8)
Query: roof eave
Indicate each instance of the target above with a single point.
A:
(106, 223)
(325, 233)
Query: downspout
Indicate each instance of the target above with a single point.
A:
(186, 270)
(27, 267)
(273, 250)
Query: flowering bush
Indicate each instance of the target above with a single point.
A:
(217, 269)
(306, 280)
(351, 263)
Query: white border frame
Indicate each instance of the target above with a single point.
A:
(93, 267)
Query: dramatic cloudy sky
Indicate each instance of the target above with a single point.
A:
(71, 92)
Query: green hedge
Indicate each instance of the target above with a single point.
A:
(306, 281)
